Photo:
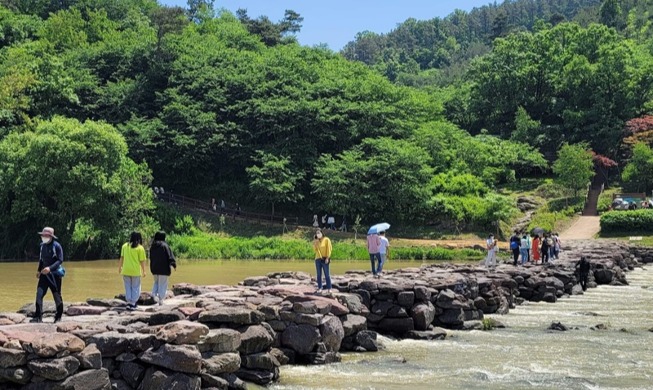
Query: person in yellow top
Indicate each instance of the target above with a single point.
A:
(132, 268)
(322, 247)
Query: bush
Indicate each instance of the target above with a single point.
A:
(550, 190)
(635, 221)
(202, 245)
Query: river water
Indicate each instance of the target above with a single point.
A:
(523, 356)
(100, 279)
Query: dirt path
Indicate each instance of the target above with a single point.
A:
(583, 229)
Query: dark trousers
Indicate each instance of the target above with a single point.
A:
(54, 284)
(545, 255)
(515, 256)
(583, 280)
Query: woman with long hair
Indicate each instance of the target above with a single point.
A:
(132, 268)
(161, 261)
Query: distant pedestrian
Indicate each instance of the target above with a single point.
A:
(161, 262)
(49, 273)
(214, 206)
(546, 244)
(331, 221)
(524, 246)
(316, 224)
(491, 258)
(384, 252)
(583, 267)
(557, 243)
(132, 268)
(374, 250)
(514, 247)
(535, 249)
(223, 206)
(324, 220)
(322, 247)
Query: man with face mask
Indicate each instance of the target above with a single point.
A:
(50, 261)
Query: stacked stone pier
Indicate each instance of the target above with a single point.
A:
(222, 337)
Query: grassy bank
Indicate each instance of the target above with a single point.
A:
(204, 245)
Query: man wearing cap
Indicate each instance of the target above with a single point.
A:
(50, 259)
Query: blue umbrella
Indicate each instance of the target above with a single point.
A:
(378, 228)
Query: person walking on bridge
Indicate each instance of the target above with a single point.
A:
(49, 274)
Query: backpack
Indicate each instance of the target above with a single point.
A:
(61, 271)
(549, 241)
(514, 244)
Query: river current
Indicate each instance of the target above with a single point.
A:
(524, 355)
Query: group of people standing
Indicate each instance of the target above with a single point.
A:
(537, 248)
(132, 265)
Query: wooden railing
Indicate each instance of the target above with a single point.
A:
(207, 207)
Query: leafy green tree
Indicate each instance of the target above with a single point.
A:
(610, 13)
(638, 173)
(580, 84)
(574, 167)
(273, 179)
(75, 177)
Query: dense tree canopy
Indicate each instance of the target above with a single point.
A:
(221, 105)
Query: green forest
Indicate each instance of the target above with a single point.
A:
(100, 100)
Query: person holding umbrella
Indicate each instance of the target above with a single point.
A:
(374, 247)
(384, 251)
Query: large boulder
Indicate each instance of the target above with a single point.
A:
(132, 373)
(423, 315)
(113, 344)
(332, 333)
(182, 332)
(448, 299)
(54, 369)
(214, 382)
(179, 358)
(232, 315)
(260, 361)
(87, 380)
(434, 334)
(48, 345)
(90, 357)
(255, 338)
(19, 375)
(12, 357)
(165, 317)
(367, 340)
(260, 377)
(221, 340)
(352, 323)
(452, 317)
(158, 379)
(397, 325)
(86, 310)
(300, 338)
(220, 363)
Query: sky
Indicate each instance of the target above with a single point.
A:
(336, 22)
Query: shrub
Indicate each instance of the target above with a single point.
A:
(635, 221)
(488, 324)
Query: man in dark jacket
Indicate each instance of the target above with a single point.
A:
(583, 267)
(161, 260)
(48, 274)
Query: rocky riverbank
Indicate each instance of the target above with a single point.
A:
(220, 336)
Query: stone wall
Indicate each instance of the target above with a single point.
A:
(219, 336)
